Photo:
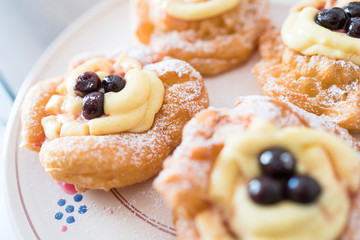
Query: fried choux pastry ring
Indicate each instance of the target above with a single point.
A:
(311, 66)
(263, 170)
(212, 35)
(115, 132)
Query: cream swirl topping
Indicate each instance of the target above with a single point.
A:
(301, 33)
(132, 109)
(319, 155)
(192, 10)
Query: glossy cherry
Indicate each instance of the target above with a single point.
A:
(353, 9)
(86, 83)
(277, 162)
(303, 189)
(353, 27)
(113, 83)
(93, 105)
(333, 19)
(266, 190)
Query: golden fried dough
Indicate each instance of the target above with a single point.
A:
(212, 45)
(184, 182)
(121, 159)
(33, 110)
(318, 84)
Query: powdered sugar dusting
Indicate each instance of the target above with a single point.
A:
(317, 83)
(142, 53)
(186, 172)
(291, 115)
(209, 37)
(99, 161)
(179, 67)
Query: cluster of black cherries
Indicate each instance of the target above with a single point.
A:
(279, 180)
(88, 86)
(338, 19)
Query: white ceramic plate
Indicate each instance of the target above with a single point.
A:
(38, 208)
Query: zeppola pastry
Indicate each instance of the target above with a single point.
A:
(263, 170)
(314, 61)
(111, 121)
(212, 35)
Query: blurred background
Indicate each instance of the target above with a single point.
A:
(27, 28)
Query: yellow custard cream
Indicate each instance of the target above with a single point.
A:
(300, 32)
(192, 10)
(132, 109)
(319, 155)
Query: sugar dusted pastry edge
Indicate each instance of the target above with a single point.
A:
(104, 162)
(184, 180)
(221, 53)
